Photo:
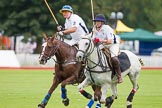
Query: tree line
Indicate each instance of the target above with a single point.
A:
(32, 17)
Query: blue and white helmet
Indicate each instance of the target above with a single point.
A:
(67, 8)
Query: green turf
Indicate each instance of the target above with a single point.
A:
(27, 88)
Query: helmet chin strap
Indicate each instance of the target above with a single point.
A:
(98, 27)
(69, 15)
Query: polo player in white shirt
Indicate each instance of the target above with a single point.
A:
(74, 25)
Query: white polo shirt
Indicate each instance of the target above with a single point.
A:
(106, 32)
(76, 21)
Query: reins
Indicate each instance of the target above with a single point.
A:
(90, 48)
(65, 62)
(54, 49)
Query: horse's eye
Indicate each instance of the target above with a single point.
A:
(86, 43)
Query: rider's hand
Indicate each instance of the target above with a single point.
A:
(60, 28)
(104, 41)
(60, 33)
(96, 40)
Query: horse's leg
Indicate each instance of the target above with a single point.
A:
(97, 92)
(86, 94)
(110, 99)
(98, 105)
(133, 78)
(85, 83)
(91, 102)
(104, 90)
(65, 100)
(47, 97)
(97, 96)
(114, 90)
(69, 80)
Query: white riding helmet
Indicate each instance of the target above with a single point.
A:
(67, 8)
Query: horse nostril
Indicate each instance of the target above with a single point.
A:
(41, 60)
(80, 58)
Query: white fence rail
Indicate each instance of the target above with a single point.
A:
(8, 58)
(152, 61)
(33, 60)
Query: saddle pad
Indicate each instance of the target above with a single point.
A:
(124, 61)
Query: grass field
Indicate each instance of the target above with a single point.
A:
(26, 89)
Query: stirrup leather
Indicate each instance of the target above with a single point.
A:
(108, 55)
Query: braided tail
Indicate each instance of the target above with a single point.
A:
(140, 60)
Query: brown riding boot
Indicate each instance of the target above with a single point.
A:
(116, 67)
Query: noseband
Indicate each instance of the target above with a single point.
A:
(90, 48)
(90, 51)
(52, 52)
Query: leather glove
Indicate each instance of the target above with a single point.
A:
(98, 43)
(60, 28)
(60, 33)
(96, 40)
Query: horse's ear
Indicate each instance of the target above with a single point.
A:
(89, 35)
(53, 38)
(44, 36)
(54, 35)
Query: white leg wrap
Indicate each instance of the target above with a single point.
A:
(129, 103)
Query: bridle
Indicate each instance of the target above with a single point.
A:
(54, 49)
(88, 52)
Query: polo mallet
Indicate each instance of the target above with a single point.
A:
(92, 11)
(51, 12)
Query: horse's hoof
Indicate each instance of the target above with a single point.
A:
(41, 106)
(109, 101)
(129, 106)
(65, 101)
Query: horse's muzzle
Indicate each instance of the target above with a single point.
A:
(79, 57)
(42, 61)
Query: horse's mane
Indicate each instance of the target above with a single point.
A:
(63, 42)
(67, 46)
(88, 36)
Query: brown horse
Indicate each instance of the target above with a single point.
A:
(67, 70)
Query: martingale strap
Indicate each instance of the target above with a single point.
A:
(102, 61)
